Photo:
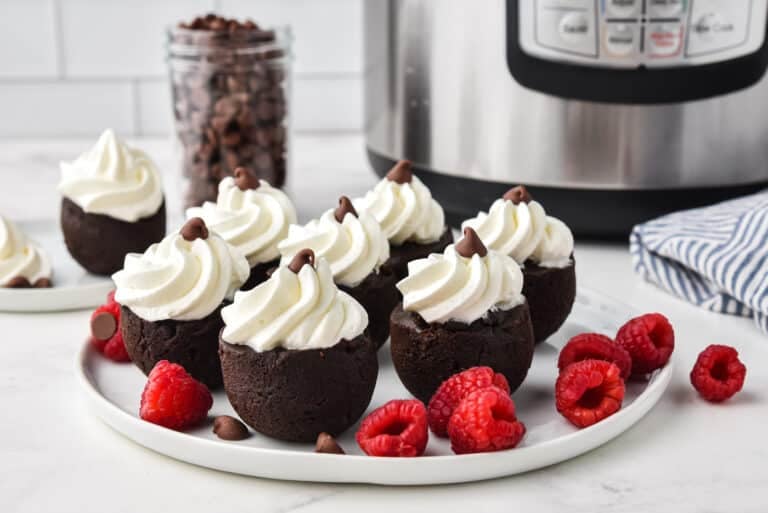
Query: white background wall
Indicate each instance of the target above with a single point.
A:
(74, 67)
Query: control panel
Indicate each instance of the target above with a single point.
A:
(635, 33)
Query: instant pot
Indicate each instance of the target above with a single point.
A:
(610, 111)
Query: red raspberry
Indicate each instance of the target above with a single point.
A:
(456, 388)
(593, 346)
(588, 391)
(174, 399)
(650, 340)
(399, 428)
(111, 299)
(718, 373)
(114, 348)
(485, 421)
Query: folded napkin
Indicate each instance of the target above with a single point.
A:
(715, 257)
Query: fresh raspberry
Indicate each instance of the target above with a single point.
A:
(456, 388)
(399, 428)
(485, 421)
(114, 348)
(588, 391)
(718, 373)
(593, 346)
(174, 399)
(650, 340)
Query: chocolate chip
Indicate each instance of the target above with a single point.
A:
(345, 207)
(326, 444)
(245, 179)
(19, 282)
(103, 326)
(229, 428)
(42, 283)
(194, 229)
(302, 258)
(471, 244)
(401, 173)
(518, 195)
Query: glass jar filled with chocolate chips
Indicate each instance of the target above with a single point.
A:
(231, 85)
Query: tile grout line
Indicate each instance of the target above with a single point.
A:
(136, 95)
(58, 36)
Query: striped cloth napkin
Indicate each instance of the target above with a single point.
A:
(715, 257)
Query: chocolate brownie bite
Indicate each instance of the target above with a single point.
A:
(171, 297)
(252, 216)
(413, 222)
(518, 226)
(112, 204)
(356, 250)
(461, 309)
(295, 354)
(23, 264)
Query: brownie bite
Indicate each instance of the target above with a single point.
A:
(171, 297)
(252, 216)
(356, 250)
(23, 264)
(543, 245)
(461, 309)
(112, 204)
(412, 221)
(295, 354)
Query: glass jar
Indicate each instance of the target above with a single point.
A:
(231, 91)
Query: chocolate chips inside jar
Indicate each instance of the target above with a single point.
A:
(230, 87)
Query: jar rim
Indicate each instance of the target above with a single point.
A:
(200, 43)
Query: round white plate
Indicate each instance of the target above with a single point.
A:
(73, 287)
(113, 391)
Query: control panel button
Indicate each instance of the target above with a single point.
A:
(621, 39)
(717, 26)
(622, 8)
(665, 8)
(569, 31)
(664, 40)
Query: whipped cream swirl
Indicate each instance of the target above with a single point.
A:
(524, 231)
(113, 179)
(20, 258)
(180, 279)
(449, 287)
(252, 220)
(406, 211)
(301, 310)
(354, 248)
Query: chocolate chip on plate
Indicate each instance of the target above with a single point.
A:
(326, 444)
(229, 428)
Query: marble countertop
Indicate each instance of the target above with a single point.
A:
(684, 456)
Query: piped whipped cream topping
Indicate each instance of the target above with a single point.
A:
(252, 220)
(351, 242)
(298, 308)
(19, 257)
(523, 230)
(113, 179)
(404, 207)
(463, 284)
(184, 277)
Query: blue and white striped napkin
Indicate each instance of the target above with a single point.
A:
(715, 257)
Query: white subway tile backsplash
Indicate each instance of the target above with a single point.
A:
(327, 104)
(328, 33)
(117, 38)
(65, 108)
(154, 111)
(27, 39)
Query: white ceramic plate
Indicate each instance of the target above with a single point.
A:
(73, 287)
(113, 392)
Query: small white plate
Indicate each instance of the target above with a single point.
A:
(113, 391)
(73, 287)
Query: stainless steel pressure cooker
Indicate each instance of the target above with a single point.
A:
(611, 111)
